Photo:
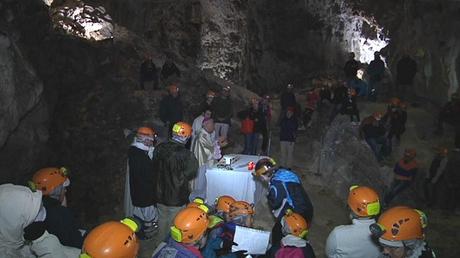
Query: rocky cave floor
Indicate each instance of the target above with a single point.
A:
(330, 210)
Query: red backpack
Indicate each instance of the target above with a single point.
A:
(290, 252)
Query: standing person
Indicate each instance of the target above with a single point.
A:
(354, 241)
(287, 99)
(222, 108)
(405, 73)
(401, 233)
(288, 135)
(207, 151)
(208, 102)
(294, 243)
(359, 84)
(450, 182)
(351, 67)
(176, 166)
(376, 71)
(265, 108)
(339, 94)
(171, 109)
(141, 180)
(169, 69)
(395, 121)
(450, 113)
(112, 239)
(372, 131)
(285, 192)
(350, 106)
(404, 174)
(23, 232)
(253, 122)
(187, 235)
(60, 220)
(198, 124)
(434, 175)
(148, 73)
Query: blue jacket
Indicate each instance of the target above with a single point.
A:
(286, 184)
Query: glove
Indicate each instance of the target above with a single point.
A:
(240, 254)
(34, 230)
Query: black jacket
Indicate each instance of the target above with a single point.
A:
(350, 68)
(169, 68)
(175, 166)
(140, 177)
(406, 70)
(288, 100)
(60, 221)
(148, 71)
(171, 109)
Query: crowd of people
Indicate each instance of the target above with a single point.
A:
(165, 195)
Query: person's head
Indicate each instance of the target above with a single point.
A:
(376, 55)
(210, 95)
(266, 99)
(190, 226)
(146, 135)
(207, 113)
(360, 73)
(254, 102)
(351, 55)
(394, 103)
(377, 117)
(208, 125)
(400, 230)
(290, 112)
(264, 169)
(112, 239)
(294, 224)
(148, 57)
(222, 204)
(363, 202)
(241, 213)
(181, 132)
(409, 154)
(226, 91)
(289, 87)
(51, 182)
(173, 90)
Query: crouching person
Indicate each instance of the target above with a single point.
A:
(60, 220)
(187, 235)
(22, 229)
(294, 243)
(111, 240)
(400, 232)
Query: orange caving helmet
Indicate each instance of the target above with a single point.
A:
(182, 129)
(173, 88)
(402, 223)
(146, 131)
(377, 115)
(263, 166)
(363, 201)
(190, 224)
(210, 94)
(223, 203)
(240, 208)
(410, 153)
(47, 179)
(199, 203)
(298, 226)
(395, 102)
(114, 239)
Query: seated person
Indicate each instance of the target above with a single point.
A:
(60, 220)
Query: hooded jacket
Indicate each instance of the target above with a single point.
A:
(19, 207)
(174, 167)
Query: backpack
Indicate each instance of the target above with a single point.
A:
(290, 252)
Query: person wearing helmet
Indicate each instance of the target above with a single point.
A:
(113, 239)
(395, 120)
(207, 151)
(140, 181)
(287, 99)
(285, 192)
(173, 168)
(222, 108)
(404, 174)
(222, 205)
(220, 239)
(60, 220)
(187, 235)
(355, 240)
(434, 175)
(148, 73)
(450, 113)
(400, 232)
(373, 132)
(23, 231)
(294, 242)
(171, 108)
